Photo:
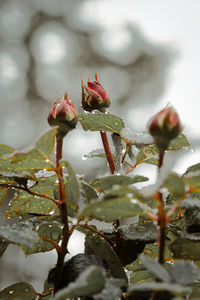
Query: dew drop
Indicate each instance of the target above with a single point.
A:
(84, 157)
(26, 290)
(11, 292)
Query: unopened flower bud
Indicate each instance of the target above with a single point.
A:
(64, 114)
(94, 96)
(164, 127)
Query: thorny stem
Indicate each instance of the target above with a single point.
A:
(108, 152)
(161, 217)
(64, 217)
(161, 224)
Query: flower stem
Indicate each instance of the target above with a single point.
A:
(64, 217)
(108, 152)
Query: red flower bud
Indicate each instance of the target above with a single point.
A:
(64, 114)
(94, 96)
(164, 127)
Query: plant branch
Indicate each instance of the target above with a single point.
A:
(108, 152)
(64, 217)
(29, 192)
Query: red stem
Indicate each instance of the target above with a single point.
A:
(64, 217)
(108, 152)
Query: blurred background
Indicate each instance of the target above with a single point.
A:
(146, 55)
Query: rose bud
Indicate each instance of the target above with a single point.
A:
(64, 114)
(94, 96)
(164, 127)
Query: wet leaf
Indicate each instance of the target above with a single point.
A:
(24, 203)
(155, 268)
(151, 161)
(111, 291)
(19, 233)
(3, 194)
(184, 272)
(97, 245)
(106, 183)
(3, 245)
(160, 286)
(178, 143)
(146, 152)
(139, 232)
(185, 248)
(18, 291)
(43, 148)
(4, 149)
(101, 122)
(46, 227)
(89, 282)
(175, 185)
(88, 192)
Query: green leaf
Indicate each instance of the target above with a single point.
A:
(193, 168)
(47, 227)
(3, 194)
(184, 272)
(43, 148)
(155, 268)
(111, 291)
(98, 153)
(146, 152)
(146, 232)
(18, 291)
(160, 286)
(24, 203)
(113, 209)
(179, 143)
(88, 192)
(175, 185)
(106, 183)
(73, 182)
(101, 122)
(19, 233)
(151, 161)
(185, 248)
(4, 149)
(97, 245)
(3, 245)
(192, 181)
(91, 281)
(139, 272)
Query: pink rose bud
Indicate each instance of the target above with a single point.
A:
(94, 96)
(64, 114)
(164, 127)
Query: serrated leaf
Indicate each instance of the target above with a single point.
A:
(185, 248)
(18, 291)
(184, 272)
(175, 185)
(101, 122)
(146, 232)
(160, 286)
(46, 227)
(3, 245)
(106, 183)
(179, 143)
(91, 281)
(24, 203)
(155, 268)
(151, 161)
(4, 149)
(3, 194)
(42, 150)
(19, 233)
(97, 245)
